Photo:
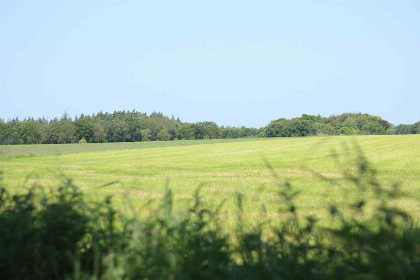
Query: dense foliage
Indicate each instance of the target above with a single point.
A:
(345, 124)
(59, 235)
(133, 126)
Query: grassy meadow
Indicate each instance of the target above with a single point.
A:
(7, 151)
(138, 174)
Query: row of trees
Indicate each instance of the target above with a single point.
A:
(134, 126)
(407, 128)
(344, 124)
(120, 126)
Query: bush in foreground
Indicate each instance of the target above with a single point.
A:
(58, 235)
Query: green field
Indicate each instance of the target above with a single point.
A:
(7, 151)
(136, 173)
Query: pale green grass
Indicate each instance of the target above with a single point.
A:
(8, 151)
(223, 169)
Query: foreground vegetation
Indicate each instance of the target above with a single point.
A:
(56, 234)
(133, 126)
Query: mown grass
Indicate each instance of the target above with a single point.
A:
(10, 151)
(137, 177)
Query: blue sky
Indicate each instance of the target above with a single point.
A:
(233, 62)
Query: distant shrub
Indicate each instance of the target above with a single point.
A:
(82, 141)
(164, 135)
(58, 235)
(145, 134)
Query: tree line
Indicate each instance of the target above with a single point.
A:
(344, 124)
(134, 126)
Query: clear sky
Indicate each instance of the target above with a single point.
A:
(233, 62)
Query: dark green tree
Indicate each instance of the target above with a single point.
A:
(84, 128)
(6, 131)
